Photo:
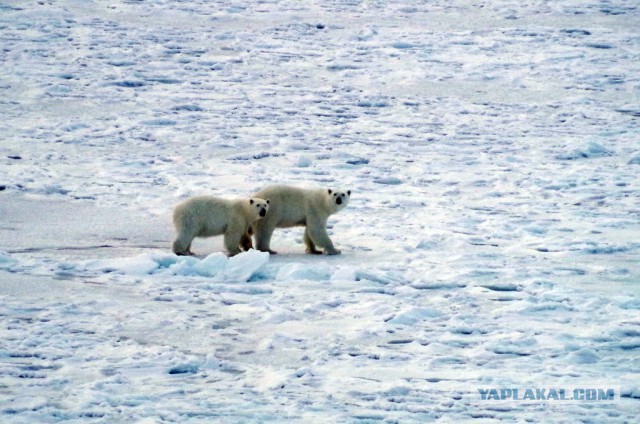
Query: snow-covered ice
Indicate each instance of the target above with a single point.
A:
(493, 153)
(239, 268)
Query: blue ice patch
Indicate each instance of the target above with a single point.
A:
(129, 84)
(591, 150)
(160, 122)
(184, 369)
(188, 108)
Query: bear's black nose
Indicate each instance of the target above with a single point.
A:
(263, 212)
(339, 200)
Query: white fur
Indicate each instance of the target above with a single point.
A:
(292, 206)
(208, 216)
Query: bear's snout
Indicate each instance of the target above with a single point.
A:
(339, 200)
(263, 212)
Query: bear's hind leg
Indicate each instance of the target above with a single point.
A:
(182, 245)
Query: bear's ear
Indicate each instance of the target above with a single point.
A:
(251, 201)
(330, 191)
(348, 192)
(267, 201)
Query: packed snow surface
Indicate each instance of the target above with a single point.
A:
(492, 237)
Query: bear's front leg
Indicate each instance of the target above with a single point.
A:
(245, 242)
(232, 238)
(263, 231)
(311, 248)
(317, 229)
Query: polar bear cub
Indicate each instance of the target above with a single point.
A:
(291, 207)
(207, 216)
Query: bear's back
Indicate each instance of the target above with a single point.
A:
(206, 215)
(290, 206)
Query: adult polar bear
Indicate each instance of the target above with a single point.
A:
(206, 216)
(292, 207)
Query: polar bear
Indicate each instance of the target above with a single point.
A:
(207, 216)
(291, 207)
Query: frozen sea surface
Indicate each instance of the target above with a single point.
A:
(492, 238)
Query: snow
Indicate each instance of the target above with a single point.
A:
(491, 238)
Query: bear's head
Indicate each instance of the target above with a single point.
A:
(258, 207)
(338, 199)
